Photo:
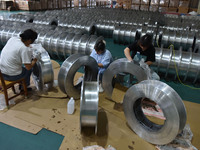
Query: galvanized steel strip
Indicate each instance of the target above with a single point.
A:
(170, 103)
(121, 66)
(68, 69)
(172, 63)
(43, 75)
(89, 104)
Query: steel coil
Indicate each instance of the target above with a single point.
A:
(59, 43)
(68, 69)
(43, 75)
(89, 104)
(178, 31)
(121, 66)
(170, 103)
(177, 63)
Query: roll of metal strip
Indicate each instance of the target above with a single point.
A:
(121, 66)
(170, 103)
(68, 69)
(83, 44)
(43, 75)
(75, 44)
(172, 63)
(89, 104)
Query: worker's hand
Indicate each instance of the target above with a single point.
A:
(130, 60)
(37, 55)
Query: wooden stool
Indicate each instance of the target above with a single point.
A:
(10, 84)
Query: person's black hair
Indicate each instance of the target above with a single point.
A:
(100, 46)
(145, 40)
(28, 34)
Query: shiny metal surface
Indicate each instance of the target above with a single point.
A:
(43, 76)
(68, 70)
(170, 103)
(121, 66)
(57, 42)
(172, 63)
(125, 34)
(120, 24)
(184, 39)
(89, 104)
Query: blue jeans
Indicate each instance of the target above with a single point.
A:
(25, 74)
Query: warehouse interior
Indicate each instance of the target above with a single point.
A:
(65, 77)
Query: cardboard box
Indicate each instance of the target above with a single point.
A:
(184, 3)
(83, 3)
(135, 7)
(193, 9)
(62, 4)
(38, 6)
(5, 4)
(25, 5)
(183, 10)
(170, 9)
(153, 8)
(76, 3)
(144, 7)
(55, 4)
(50, 4)
(154, 2)
(145, 2)
(173, 3)
(164, 3)
(162, 9)
(137, 2)
(198, 10)
(44, 4)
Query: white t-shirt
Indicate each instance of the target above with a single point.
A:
(13, 56)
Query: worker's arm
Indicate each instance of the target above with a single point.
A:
(29, 66)
(127, 53)
(149, 63)
(100, 65)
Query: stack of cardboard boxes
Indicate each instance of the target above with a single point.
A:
(127, 4)
(180, 6)
(183, 6)
(154, 5)
(4, 5)
(41, 4)
(136, 4)
(144, 5)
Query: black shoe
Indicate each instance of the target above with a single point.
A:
(28, 89)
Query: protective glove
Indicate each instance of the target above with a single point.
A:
(146, 68)
(37, 55)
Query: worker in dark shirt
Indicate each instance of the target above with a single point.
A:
(144, 47)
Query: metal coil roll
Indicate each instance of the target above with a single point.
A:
(172, 63)
(170, 103)
(121, 66)
(125, 34)
(89, 104)
(179, 31)
(184, 39)
(105, 29)
(59, 43)
(21, 17)
(68, 69)
(43, 75)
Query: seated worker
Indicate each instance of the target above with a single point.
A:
(103, 58)
(16, 57)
